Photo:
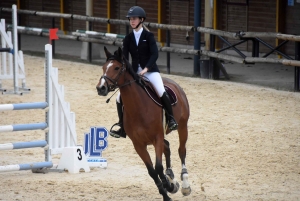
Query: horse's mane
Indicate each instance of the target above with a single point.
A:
(121, 58)
(129, 69)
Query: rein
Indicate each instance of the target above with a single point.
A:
(115, 81)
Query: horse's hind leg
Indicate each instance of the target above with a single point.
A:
(144, 155)
(183, 136)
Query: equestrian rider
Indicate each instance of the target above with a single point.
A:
(141, 45)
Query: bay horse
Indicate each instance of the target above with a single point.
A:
(143, 120)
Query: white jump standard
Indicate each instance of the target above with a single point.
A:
(59, 128)
(11, 60)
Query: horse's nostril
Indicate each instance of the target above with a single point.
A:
(103, 88)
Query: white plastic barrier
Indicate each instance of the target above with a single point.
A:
(11, 60)
(59, 127)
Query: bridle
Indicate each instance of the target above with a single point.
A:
(114, 82)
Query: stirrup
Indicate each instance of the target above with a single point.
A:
(172, 124)
(119, 133)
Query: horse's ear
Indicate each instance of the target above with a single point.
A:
(107, 53)
(120, 52)
(124, 59)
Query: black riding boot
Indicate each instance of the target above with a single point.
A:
(168, 108)
(120, 132)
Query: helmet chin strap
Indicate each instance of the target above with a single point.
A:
(137, 26)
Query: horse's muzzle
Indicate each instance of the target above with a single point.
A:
(102, 91)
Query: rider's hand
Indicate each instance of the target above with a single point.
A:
(145, 70)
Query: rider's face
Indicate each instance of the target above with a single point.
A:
(134, 21)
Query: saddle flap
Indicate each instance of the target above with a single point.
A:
(153, 95)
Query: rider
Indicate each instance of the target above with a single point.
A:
(141, 45)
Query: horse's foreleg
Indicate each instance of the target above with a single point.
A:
(183, 135)
(144, 155)
(169, 171)
(185, 189)
(159, 149)
(167, 153)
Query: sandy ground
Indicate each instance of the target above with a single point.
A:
(243, 142)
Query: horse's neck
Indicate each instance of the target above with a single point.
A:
(132, 94)
(139, 109)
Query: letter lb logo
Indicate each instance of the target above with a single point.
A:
(95, 142)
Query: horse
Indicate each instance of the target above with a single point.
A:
(143, 120)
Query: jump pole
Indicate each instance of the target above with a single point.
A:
(26, 166)
(36, 166)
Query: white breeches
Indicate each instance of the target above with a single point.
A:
(156, 81)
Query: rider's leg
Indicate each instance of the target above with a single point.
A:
(168, 107)
(120, 132)
(157, 82)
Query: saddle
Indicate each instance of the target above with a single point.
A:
(147, 85)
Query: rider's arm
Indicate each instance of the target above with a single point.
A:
(153, 50)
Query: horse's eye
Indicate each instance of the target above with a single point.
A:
(117, 68)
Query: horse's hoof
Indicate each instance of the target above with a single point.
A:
(186, 191)
(176, 187)
(174, 183)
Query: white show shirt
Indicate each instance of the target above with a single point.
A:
(137, 35)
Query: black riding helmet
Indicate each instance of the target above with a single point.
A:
(136, 11)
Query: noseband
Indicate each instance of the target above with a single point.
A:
(114, 85)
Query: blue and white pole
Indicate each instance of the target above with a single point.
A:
(23, 145)
(23, 106)
(28, 166)
(23, 127)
